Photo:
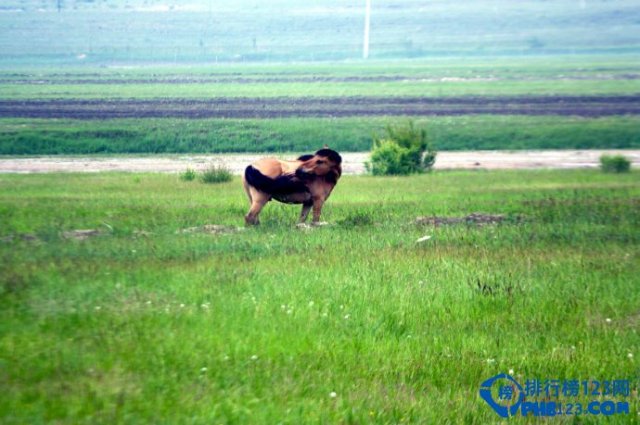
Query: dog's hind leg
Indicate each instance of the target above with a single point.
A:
(247, 189)
(258, 201)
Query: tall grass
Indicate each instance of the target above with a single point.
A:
(188, 175)
(216, 174)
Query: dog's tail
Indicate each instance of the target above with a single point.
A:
(281, 185)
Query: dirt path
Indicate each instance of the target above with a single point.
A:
(353, 162)
(586, 106)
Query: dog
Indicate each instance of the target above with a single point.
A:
(308, 180)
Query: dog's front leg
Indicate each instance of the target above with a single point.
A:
(306, 207)
(317, 209)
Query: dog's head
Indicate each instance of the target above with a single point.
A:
(324, 163)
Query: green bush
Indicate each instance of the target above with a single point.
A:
(216, 174)
(614, 164)
(188, 175)
(404, 150)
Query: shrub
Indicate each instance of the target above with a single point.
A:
(403, 150)
(614, 164)
(216, 174)
(188, 175)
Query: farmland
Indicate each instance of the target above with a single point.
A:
(155, 317)
(428, 77)
(323, 107)
(521, 103)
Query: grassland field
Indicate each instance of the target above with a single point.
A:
(354, 322)
(141, 298)
(154, 318)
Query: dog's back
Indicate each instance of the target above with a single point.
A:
(280, 186)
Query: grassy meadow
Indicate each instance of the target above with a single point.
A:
(143, 299)
(354, 322)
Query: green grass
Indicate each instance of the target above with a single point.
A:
(484, 76)
(261, 325)
(509, 68)
(37, 136)
(332, 89)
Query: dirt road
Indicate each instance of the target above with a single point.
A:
(353, 162)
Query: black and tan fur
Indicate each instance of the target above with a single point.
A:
(308, 180)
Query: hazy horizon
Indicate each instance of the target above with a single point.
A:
(148, 31)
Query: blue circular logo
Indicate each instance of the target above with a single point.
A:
(509, 389)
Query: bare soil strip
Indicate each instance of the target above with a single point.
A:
(587, 106)
(353, 163)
